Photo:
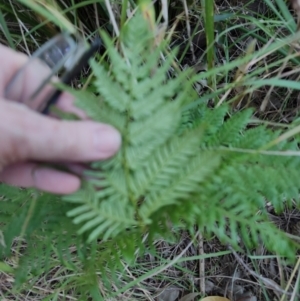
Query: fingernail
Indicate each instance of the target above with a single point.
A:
(107, 141)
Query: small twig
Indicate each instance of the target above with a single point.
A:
(297, 285)
(165, 13)
(188, 28)
(292, 276)
(112, 18)
(201, 264)
(53, 291)
(126, 267)
(265, 281)
(267, 97)
(281, 274)
(173, 261)
(161, 268)
(96, 15)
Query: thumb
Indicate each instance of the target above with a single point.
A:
(27, 135)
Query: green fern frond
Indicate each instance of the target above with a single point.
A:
(169, 159)
(230, 133)
(147, 166)
(163, 166)
(255, 138)
(104, 218)
(182, 185)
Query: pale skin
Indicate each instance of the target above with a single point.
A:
(28, 138)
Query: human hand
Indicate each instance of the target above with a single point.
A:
(27, 137)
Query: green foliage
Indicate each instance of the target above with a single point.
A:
(174, 171)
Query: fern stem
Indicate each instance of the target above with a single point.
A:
(123, 12)
(125, 163)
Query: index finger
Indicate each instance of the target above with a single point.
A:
(27, 83)
(10, 62)
(32, 77)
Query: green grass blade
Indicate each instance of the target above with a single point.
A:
(50, 13)
(258, 83)
(283, 13)
(210, 38)
(159, 269)
(286, 13)
(5, 30)
(209, 30)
